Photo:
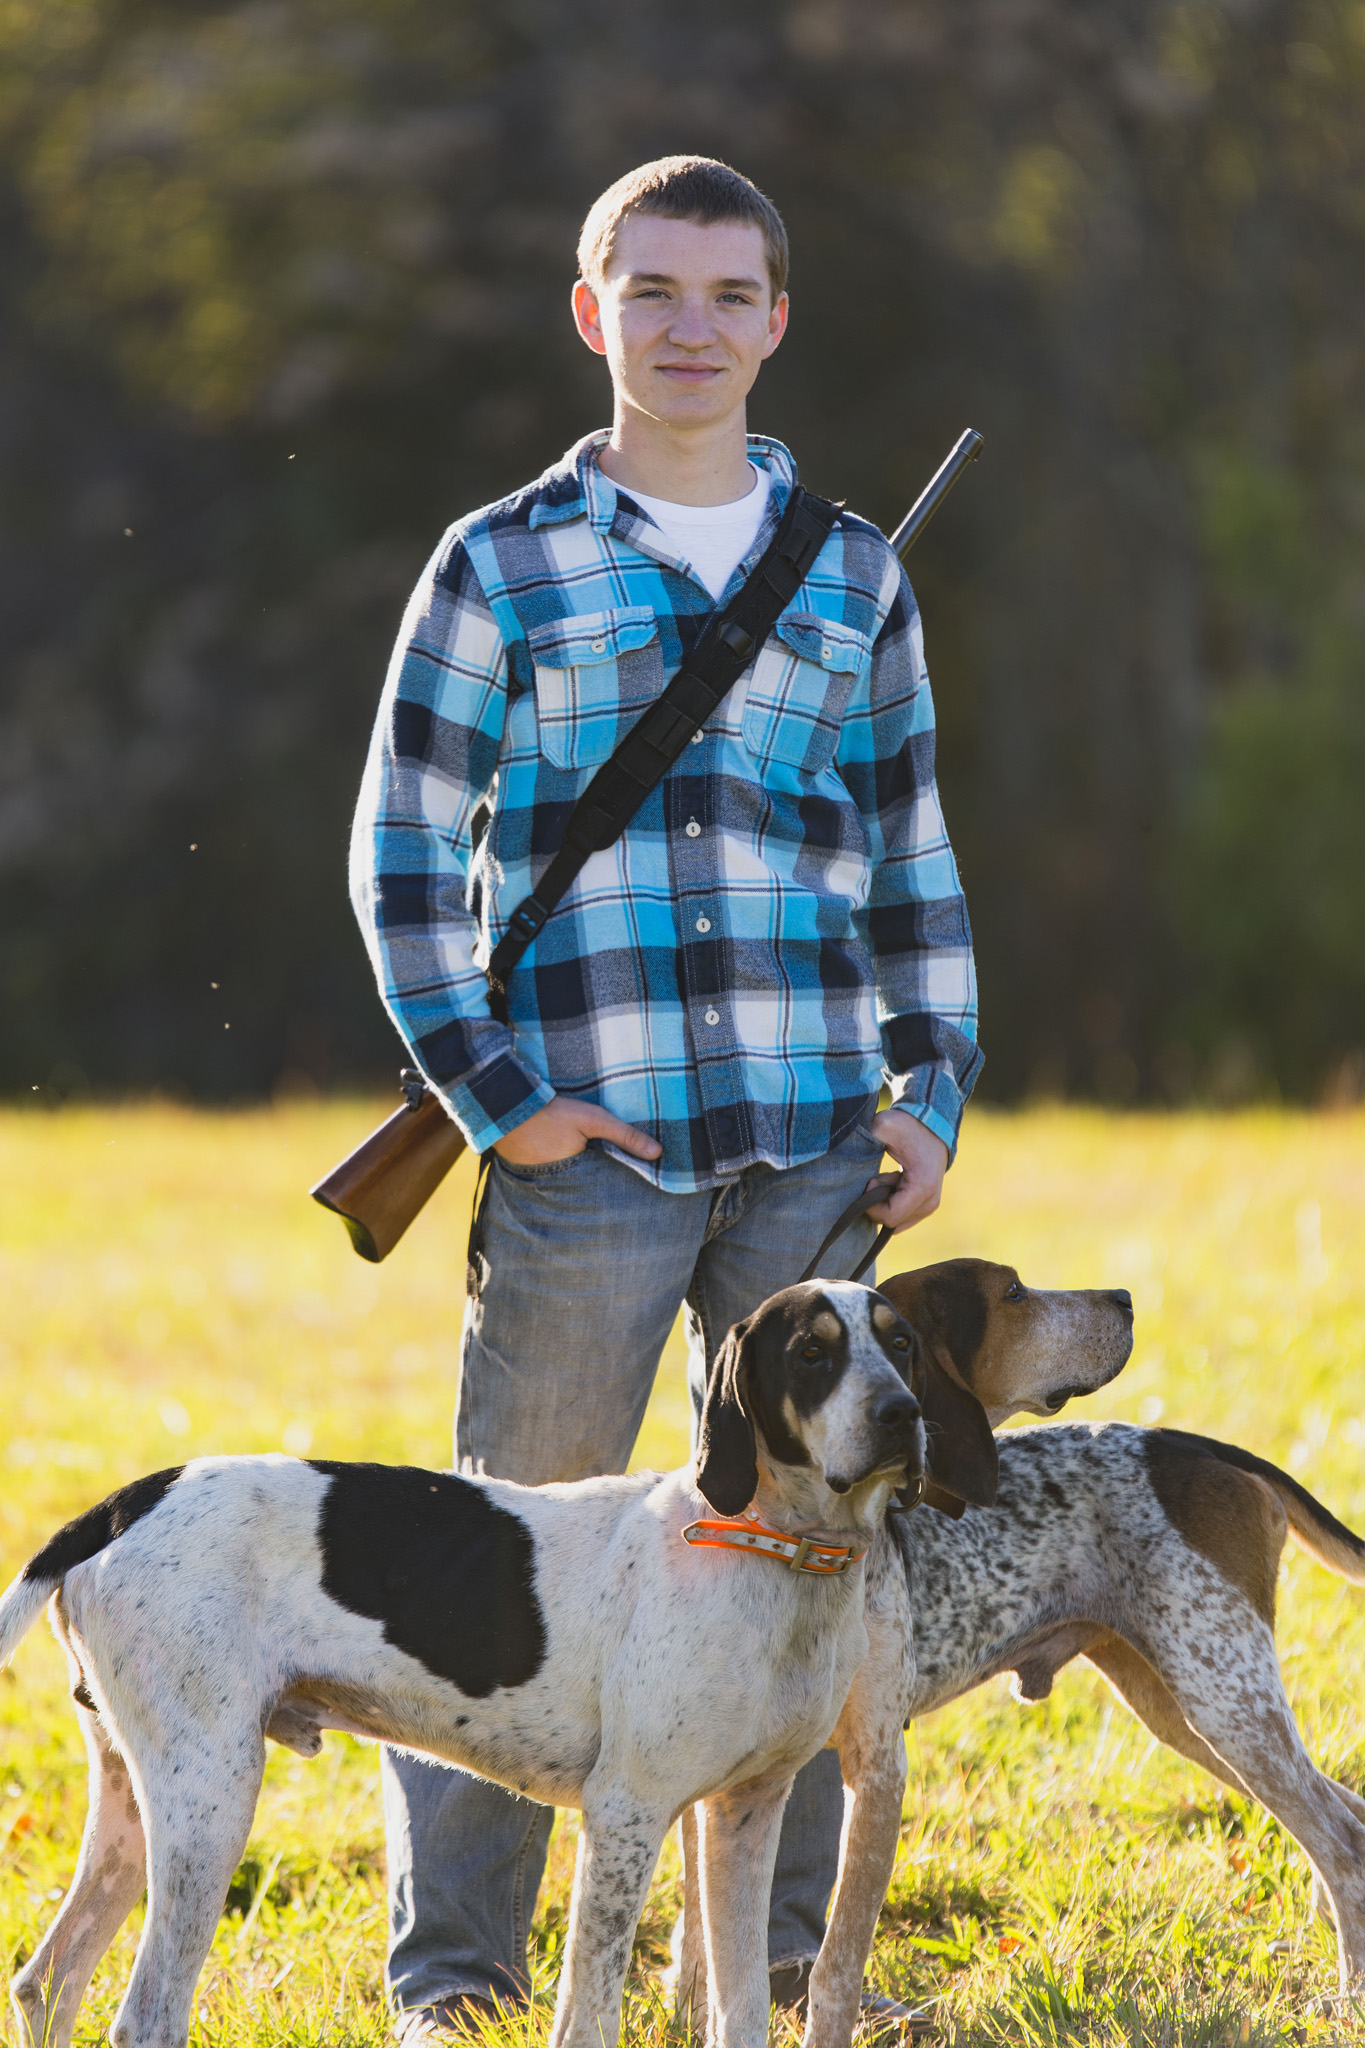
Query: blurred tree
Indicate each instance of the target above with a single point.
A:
(284, 291)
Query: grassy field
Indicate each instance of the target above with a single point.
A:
(169, 1290)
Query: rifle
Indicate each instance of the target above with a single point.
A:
(379, 1188)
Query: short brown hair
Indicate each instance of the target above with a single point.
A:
(681, 188)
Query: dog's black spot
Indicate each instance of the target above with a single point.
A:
(96, 1529)
(779, 1372)
(772, 1382)
(745, 1390)
(448, 1573)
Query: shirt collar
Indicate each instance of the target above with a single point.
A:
(575, 487)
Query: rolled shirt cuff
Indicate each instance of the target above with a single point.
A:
(493, 1099)
(934, 1099)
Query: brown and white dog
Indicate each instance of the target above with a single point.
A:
(1151, 1552)
(1154, 1554)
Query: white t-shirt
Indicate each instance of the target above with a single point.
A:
(713, 538)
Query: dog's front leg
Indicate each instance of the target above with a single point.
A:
(737, 1851)
(870, 1741)
(618, 1848)
(874, 1774)
(689, 1945)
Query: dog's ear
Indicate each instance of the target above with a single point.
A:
(947, 1503)
(727, 1464)
(947, 1305)
(964, 1465)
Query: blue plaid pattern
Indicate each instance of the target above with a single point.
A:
(781, 925)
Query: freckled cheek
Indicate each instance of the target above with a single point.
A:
(1036, 1357)
(814, 1435)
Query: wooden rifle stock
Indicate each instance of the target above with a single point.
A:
(379, 1188)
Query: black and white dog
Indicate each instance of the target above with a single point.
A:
(566, 1641)
(992, 1347)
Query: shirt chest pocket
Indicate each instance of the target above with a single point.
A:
(594, 674)
(799, 689)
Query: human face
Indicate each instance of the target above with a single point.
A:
(684, 318)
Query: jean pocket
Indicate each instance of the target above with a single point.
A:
(594, 675)
(874, 1149)
(548, 1169)
(799, 690)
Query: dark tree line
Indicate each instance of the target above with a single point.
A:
(284, 290)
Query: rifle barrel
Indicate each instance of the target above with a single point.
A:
(966, 449)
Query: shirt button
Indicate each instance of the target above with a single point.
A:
(693, 829)
(703, 924)
(713, 1016)
(826, 651)
(697, 738)
(600, 647)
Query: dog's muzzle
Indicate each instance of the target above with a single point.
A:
(897, 1422)
(899, 1419)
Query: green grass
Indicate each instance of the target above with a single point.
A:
(168, 1289)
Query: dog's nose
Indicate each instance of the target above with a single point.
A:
(899, 1411)
(1123, 1298)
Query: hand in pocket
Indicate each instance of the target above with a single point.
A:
(563, 1128)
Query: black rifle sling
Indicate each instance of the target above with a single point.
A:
(657, 738)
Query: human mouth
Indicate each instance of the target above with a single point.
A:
(689, 373)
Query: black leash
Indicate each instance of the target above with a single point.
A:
(657, 739)
(884, 1185)
(911, 1494)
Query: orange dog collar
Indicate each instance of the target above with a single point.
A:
(798, 1553)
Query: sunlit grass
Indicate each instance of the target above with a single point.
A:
(168, 1289)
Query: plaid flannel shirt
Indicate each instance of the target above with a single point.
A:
(781, 924)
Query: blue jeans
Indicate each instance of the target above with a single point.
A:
(581, 1266)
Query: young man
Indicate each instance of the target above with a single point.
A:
(685, 1096)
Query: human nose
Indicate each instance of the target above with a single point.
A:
(692, 325)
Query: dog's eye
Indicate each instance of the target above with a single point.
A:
(812, 1352)
(1015, 1291)
(900, 1343)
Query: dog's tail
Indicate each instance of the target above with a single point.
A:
(90, 1533)
(20, 1605)
(1320, 1533)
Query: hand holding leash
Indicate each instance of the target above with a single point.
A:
(861, 1205)
(923, 1160)
(893, 1200)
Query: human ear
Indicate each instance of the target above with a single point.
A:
(727, 1463)
(777, 323)
(587, 316)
